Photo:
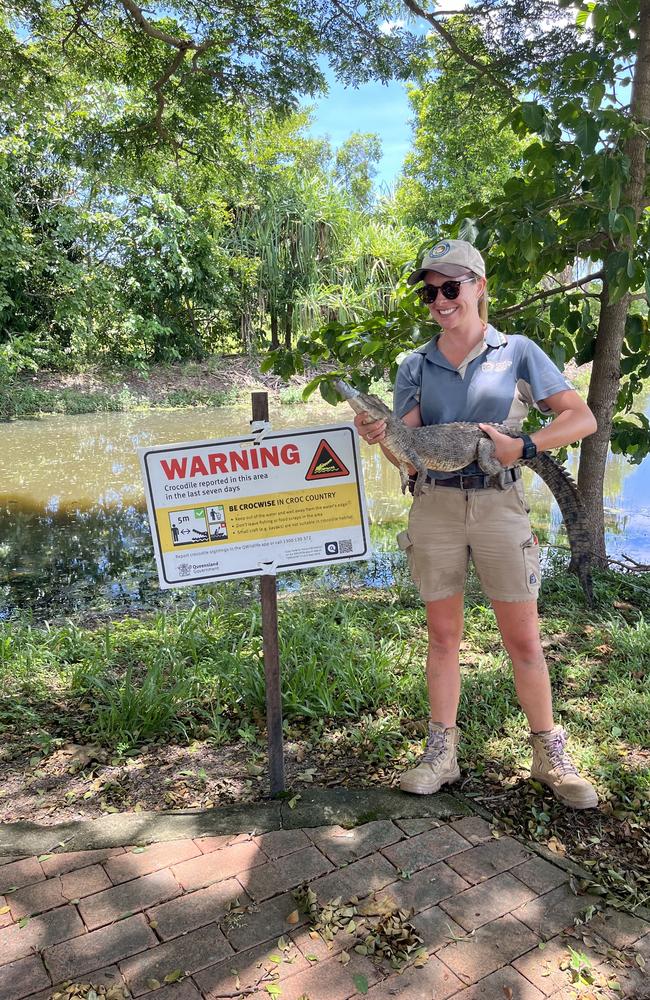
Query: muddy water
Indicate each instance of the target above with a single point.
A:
(73, 533)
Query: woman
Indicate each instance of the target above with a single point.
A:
(472, 372)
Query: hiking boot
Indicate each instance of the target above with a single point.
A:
(553, 767)
(438, 765)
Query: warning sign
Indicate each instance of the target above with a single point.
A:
(326, 464)
(240, 507)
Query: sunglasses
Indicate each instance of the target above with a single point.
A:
(450, 290)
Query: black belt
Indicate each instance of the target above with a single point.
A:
(474, 482)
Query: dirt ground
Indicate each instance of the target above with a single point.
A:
(221, 374)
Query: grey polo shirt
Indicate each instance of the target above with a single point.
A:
(496, 383)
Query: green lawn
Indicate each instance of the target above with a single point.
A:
(355, 700)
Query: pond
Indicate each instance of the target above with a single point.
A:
(74, 534)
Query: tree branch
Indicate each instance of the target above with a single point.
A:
(154, 32)
(511, 310)
(639, 297)
(159, 86)
(355, 22)
(444, 33)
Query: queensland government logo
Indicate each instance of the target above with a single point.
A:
(440, 249)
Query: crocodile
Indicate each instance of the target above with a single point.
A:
(451, 447)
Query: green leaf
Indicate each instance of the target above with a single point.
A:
(596, 94)
(534, 115)
(273, 989)
(361, 982)
(328, 392)
(174, 976)
(587, 132)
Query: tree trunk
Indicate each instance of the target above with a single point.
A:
(606, 372)
(603, 390)
(288, 325)
(274, 328)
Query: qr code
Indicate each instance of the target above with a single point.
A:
(185, 569)
(345, 545)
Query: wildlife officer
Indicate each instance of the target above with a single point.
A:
(470, 371)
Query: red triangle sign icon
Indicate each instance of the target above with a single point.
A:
(326, 464)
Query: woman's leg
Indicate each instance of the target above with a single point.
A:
(552, 765)
(519, 626)
(445, 627)
(438, 765)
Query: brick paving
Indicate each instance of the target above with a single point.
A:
(218, 914)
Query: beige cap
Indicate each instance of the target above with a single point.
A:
(452, 258)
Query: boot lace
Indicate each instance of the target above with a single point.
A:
(435, 749)
(555, 743)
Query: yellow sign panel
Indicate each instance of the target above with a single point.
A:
(266, 516)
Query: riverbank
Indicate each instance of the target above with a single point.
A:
(217, 381)
(167, 711)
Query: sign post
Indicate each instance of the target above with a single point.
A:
(257, 505)
(271, 647)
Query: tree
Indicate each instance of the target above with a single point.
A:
(580, 198)
(180, 66)
(462, 149)
(356, 167)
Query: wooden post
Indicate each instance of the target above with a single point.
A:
(269, 600)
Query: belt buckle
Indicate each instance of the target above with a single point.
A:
(462, 479)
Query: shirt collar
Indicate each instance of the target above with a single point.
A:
(491, 338)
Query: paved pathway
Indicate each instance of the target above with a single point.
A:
(496, 920)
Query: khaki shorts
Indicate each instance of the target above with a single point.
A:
(447, 526)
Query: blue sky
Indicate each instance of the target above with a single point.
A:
(369, 108)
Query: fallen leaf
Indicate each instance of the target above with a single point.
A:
(361, 982)
(293, 917)
(174, 976)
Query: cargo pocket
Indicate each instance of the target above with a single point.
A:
(530, 552)
(405, 543)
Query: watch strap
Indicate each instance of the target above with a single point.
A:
(530, 448)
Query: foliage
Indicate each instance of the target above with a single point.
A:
(462, 148)
(356, 167)
(567, 238)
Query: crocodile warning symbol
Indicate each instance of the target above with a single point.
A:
(326, 464)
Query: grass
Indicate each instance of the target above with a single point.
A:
(354, 698)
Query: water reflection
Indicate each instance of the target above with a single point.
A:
(74, 535)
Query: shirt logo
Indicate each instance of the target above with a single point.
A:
(496, 366)
(440, 249)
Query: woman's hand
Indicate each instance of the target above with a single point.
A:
(507, 450)
(372, 431)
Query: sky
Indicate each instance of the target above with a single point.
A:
(372, 108)
(369, 108)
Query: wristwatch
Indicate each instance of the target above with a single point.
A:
(530, 448)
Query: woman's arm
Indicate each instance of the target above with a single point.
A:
(573, 422)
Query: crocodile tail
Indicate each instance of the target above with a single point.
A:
(564, 489)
